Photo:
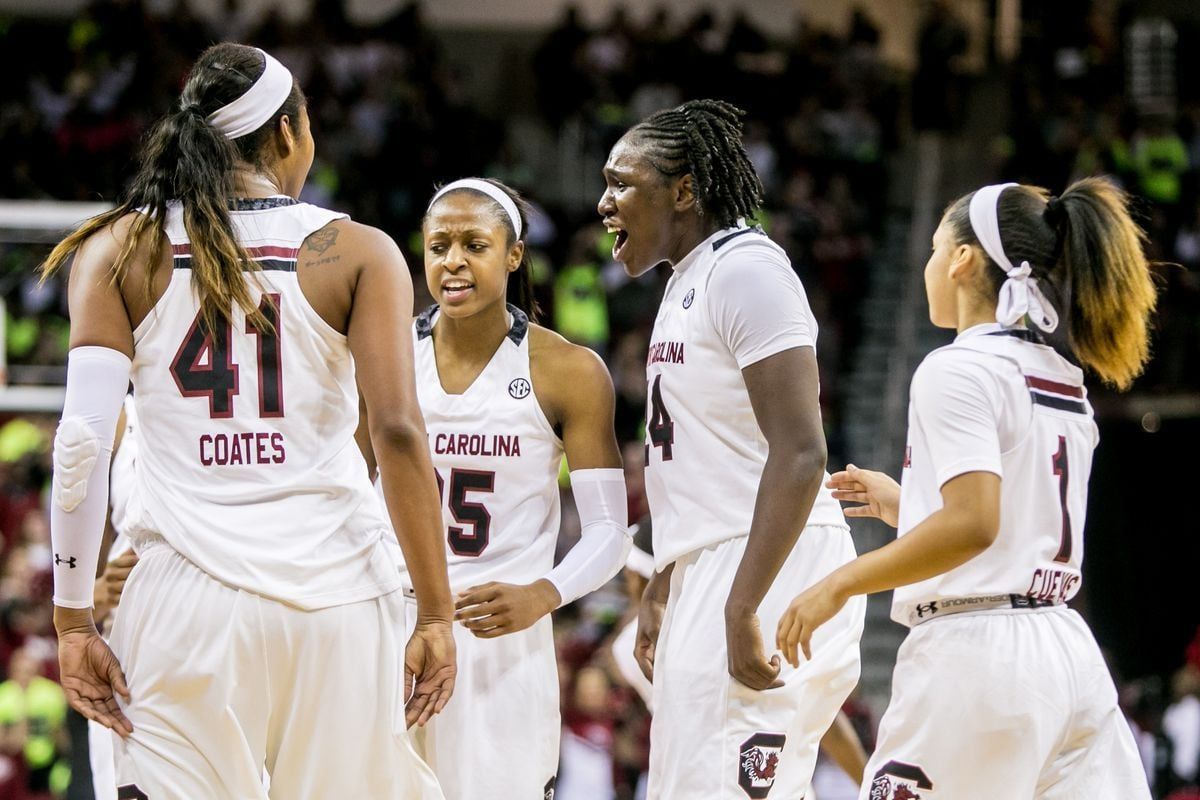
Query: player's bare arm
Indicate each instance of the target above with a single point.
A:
(356, 279)
(842, 745)
(576, 394)
(966, 525)
(650, 616)
(783, 393)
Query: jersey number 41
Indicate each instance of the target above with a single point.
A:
(203, 366)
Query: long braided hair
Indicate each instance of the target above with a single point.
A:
(703, 138)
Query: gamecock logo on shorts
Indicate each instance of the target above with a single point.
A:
(899, 781)
(757, 762)
(548, 791)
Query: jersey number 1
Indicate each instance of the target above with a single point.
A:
(217, 378)
(1063, 471)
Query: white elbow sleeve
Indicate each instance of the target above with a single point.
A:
(604, 541)
(97, 380)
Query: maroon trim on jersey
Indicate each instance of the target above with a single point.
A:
(1053, 386)
(264, 251)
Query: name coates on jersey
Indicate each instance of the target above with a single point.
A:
(242, 449)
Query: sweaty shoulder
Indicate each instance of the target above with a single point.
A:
(565, 374)
(344, 241)
(99, 253)
(332, 261)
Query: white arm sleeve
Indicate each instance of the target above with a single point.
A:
(604, 541)
(97, 380)
(758, 306)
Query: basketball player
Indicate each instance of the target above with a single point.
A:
(502, 400)
(1000, 690)
(735, 466)
(259, 625)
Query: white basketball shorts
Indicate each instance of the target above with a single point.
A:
(996, 705)
(713, 738)
(102, 762)
(498, 736)
(225, 682)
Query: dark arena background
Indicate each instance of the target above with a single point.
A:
(863, 119)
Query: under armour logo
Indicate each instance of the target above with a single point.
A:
(70, 562)
(929, 608)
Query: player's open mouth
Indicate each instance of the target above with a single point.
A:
(620, 242)
(453, 291)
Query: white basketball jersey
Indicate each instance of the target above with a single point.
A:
(123, 499)
(247, 464)
(1000, 401)
(705, 452)
(497, 460)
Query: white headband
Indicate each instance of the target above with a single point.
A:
(1020, 295)
(260, 102)
(497, 194)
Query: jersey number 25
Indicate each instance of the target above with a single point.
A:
(467, 512)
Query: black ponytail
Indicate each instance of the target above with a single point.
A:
(185, 159)
(1086, 249)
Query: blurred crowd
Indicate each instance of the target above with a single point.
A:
(393, 117)
(1095, 92)
(392, 120)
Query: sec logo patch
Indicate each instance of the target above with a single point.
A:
(519, 389)
(689, 298)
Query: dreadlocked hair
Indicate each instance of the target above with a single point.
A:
(703, 138)
(184, 159)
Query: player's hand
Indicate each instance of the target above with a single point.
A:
(429, 671)
(111, 584)
(650, 615)
(877, 494)
(810, 610)
(88, 671)
(494, 609)
(748, 663)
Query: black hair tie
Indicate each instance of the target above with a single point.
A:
(1055, 215)
(194, 109)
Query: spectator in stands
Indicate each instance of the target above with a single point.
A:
(1181, 723)
(33, 713)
